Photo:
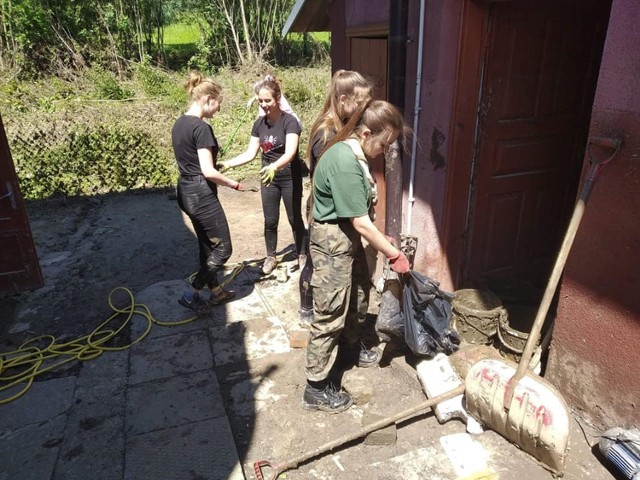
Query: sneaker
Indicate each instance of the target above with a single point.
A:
(358, 354)
(193, 301)
(327, 399)
(306, 316)
(369, 357)
(222, 297)
(269, 265)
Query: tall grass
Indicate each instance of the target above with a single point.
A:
(181, 34)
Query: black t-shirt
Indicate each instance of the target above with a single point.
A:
(273, 138)
(190, 133)
(318, 145)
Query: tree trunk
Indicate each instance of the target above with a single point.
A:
(247, 37)
(234, 33)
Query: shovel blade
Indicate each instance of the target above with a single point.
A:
(537, 420)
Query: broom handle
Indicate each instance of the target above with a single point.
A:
(384, 422)
(558, 267)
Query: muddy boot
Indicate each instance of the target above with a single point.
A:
(325, 397)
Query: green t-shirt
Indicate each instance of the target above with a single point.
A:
(340, 188)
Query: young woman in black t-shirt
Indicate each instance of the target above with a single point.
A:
(276, 134)
(196, 150)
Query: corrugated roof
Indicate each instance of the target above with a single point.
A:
(308, 16)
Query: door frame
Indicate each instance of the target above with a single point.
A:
(472, 50)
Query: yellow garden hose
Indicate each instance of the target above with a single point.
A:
(24, 364)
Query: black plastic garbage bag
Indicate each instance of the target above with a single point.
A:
(427, 316)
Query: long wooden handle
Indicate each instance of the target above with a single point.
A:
(384, 422)
(554, 279)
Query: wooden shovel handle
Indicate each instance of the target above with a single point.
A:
(561, 260)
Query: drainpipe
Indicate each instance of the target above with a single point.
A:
(416, 119)
(391, 289)
(397, 74)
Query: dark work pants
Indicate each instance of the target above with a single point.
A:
(289, 189)
(199, 200)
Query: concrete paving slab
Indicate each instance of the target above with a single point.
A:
(94, 435)
(201, 450)
(283, 299)
(30, 453)
(247, 308)
(93, 449)
(168, 356)
(101, 386)
(43, 401)
(173, 401)
(251, 339)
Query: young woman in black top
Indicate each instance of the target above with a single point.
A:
(196, 150)
(277, 134)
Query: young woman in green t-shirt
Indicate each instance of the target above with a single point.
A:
(341, 200)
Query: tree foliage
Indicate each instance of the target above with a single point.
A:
(44, 36)
(52, 36)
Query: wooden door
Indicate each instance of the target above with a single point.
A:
(367, 54)
(539, 80)
(19, 267)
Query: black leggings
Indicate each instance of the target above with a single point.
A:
(289, 188)
(199, 200)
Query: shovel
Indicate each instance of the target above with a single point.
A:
(522, 407)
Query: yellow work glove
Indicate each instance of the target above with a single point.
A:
(267, 173)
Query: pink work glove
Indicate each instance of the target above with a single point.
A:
(400, 264)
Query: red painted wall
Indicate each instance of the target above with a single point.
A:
(595, 354)
(440, 55)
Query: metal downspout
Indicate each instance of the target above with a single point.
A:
(397, 74)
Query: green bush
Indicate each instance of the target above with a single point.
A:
(106, 86)
(157, 83)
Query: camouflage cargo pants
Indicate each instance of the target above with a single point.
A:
(341, 287)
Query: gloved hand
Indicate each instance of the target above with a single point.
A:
(267, 173)
(222, 166)
(400, 264)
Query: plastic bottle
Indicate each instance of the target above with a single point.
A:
(622, 448)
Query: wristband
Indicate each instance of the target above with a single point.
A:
(237, 187)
